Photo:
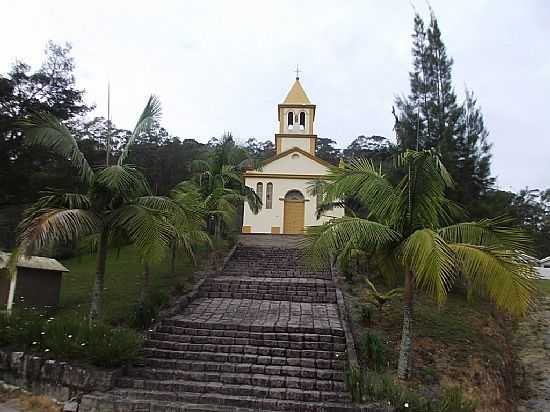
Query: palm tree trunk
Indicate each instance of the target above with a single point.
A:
(405, 352)
(99, 285)
(146, 282)
(173, 261)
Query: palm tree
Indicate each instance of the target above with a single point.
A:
(115, 203)
(410, 232)
(219, 182)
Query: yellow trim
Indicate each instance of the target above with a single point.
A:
(247, 229)
(284, 176)
(275, 230)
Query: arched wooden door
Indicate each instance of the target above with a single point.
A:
(293, 217)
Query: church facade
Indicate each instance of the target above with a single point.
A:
(283, 181)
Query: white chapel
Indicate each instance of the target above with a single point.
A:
(283, 181)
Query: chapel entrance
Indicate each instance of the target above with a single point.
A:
(293, 218)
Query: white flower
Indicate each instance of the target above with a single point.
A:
(69, 336)
(42, 333)
(35, 343)
(83, 344)
(406, 404)
(46, 350)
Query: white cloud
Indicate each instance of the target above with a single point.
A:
(219, 65)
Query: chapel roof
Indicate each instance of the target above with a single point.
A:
(296, 95)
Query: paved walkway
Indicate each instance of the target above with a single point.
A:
(533, 341)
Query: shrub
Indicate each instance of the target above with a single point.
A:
(372, 348)
(366, 313)
(69, 338)
(110, 348)
(355, 383)
(452, 400)
(144, 313)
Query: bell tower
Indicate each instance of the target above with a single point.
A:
(296, 119)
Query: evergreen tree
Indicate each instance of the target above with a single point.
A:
(431, 118)
(474, 157)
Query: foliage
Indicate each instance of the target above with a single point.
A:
(355, 384)
(453, 401)
(430, 116)
(69, 338)
(379, 298)
(372, 349)
(409, 224)
(116, 206)
(145, 312)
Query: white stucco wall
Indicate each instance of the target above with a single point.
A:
(296, 129)
(290, 142)
(294, 163)
(267, 218)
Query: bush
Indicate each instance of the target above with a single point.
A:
(69, 338)
(453, 400)
(145, 313)
(355, 383)
(372, 349)
(111, 348)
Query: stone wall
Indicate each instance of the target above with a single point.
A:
(55, 379)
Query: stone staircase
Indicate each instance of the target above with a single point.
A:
(264, 334)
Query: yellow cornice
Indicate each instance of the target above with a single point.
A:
(284, 176)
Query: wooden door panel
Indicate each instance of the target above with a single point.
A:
(293, 217)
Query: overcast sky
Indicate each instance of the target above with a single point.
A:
(225, 65)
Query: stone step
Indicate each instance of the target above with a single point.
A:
(156, 401)
(257, 339)
(231, 282)
(225, 388)
(236, 378)
(273, 363)
(177, 365)
(244, 349)
(216, 329)
(310, 297)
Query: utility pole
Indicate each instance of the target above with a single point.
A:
(108, 149)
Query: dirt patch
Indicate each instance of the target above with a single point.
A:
(459, 344)
(532, 341)
(13, 399)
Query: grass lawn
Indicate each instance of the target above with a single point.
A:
(123, 282)
(544, 287)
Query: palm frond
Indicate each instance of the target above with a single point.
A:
(494, 232)
(151, 113)
(45, 130)
(147, 229)
(364, 181)
(122, 180)
(502, 275)
(431, 260)
(52, 226)
(332, 237)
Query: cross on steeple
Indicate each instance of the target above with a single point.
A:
(297, 73)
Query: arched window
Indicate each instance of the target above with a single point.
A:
(290, 119)
(295, 195)
(260, 191)
(303, 120)
(269, 196)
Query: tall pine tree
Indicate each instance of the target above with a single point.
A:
(431, 118)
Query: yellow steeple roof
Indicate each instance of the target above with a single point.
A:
(296, 95)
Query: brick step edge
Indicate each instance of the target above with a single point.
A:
(254, 328)
(210, 366)
(239, 378)
(245, 350)
(237, 389)
(158, 401)
(274, 361)
(262, 345)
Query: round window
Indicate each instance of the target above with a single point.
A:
(295, 156)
